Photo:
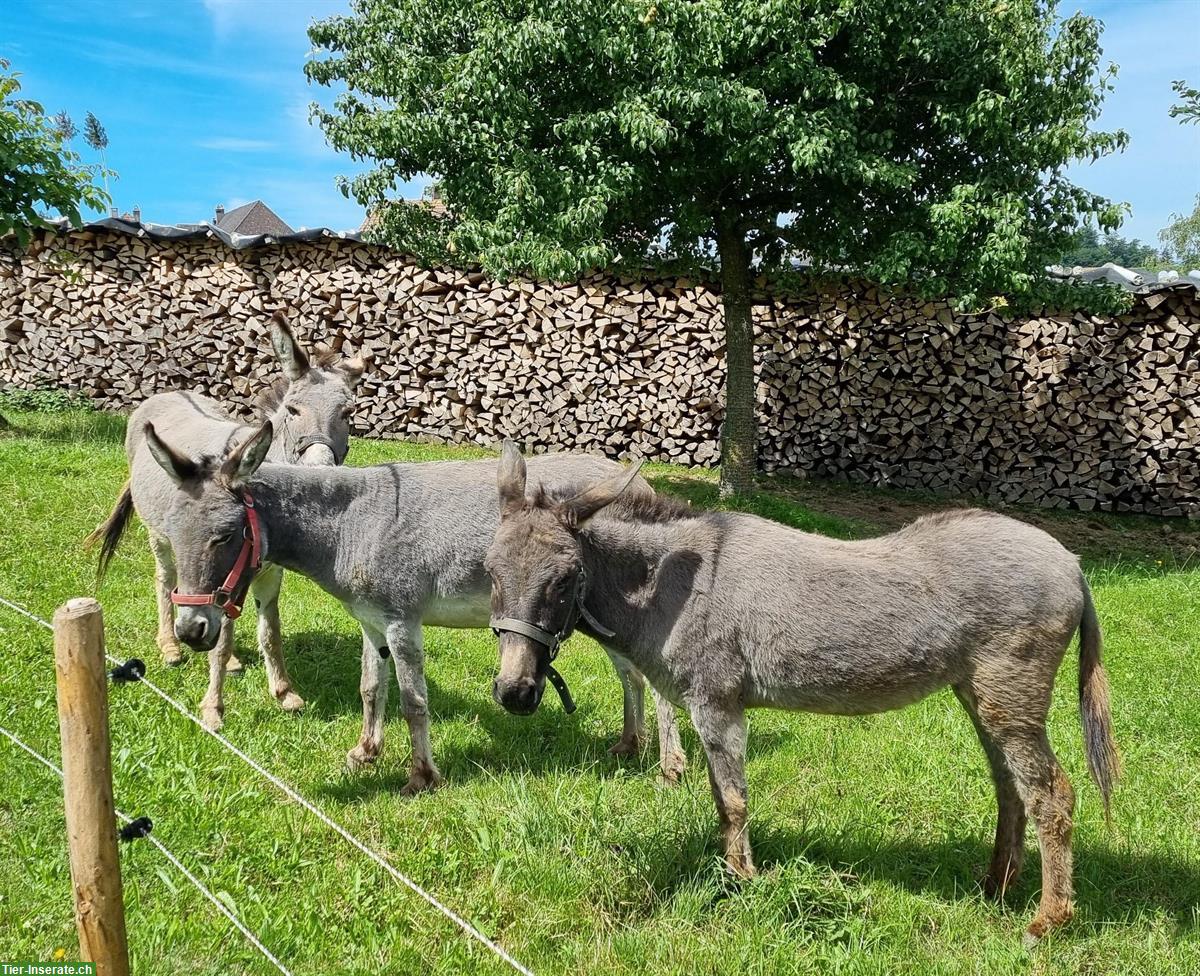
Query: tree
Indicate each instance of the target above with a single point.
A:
(1181, 240)
(1090, 250)
(95, 136)
(1188, 109)
(912, 142)
(38, 172)
(1181, 237)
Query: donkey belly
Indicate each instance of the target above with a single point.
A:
(848, 680)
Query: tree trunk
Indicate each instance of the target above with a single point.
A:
(739, 434)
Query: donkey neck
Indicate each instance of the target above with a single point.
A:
(305, 512)
(640, 575)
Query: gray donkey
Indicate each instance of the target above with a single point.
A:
(723, 612)
(311, 410)
(400, 545)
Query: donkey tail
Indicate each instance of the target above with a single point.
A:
(108, 533)
(1104, 762)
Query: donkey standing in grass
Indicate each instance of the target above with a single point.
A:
(311, 410)
(724, 612)
(400, 545)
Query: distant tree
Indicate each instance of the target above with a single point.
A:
(915, 142)
(1181, 240)
(1188, 109)
(1181, 237)
(94, 135)
(38, 173)
(1090, 250)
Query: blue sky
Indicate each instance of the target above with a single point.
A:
(205, 102)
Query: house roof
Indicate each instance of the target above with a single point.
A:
(253, 218)
(435, 205)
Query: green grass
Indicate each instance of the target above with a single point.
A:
(871, 830)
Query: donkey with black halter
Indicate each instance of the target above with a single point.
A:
(400, 545)
(723, 612)
(311, 410)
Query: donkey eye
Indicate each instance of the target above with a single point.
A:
(220, 540)
(293, 410)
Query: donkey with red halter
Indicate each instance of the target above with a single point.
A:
(399, 545)
(311, 411)
(723, 612)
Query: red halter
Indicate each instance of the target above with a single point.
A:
(230, 596)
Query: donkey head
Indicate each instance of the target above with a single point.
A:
(311, 409)
(538, 584)
(209, 526)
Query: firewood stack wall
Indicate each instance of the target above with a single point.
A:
(1066, 410)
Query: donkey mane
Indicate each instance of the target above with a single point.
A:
(641, 506)
(272, 397)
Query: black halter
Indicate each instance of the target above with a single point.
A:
(553, 640)
(309, 440)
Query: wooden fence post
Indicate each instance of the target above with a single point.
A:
(87, 785)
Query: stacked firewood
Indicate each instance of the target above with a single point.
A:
(1064, 410)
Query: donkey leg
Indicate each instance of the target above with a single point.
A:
(722, 730)
(265, 589)
(633, 689)
(1050, 801)
(1009, 849)
(212, 706)
(1012, 700)
(373, 687)
(164, 583)
(408, 653)
(672, 760)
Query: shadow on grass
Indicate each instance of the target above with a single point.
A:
(1111, 885)
(326, 674)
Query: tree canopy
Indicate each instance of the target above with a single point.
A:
(909, 141)
(1188, 109)
(1090, 249)
(39, 173)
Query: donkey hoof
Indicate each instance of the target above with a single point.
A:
(994, 888)
(212, 718)
(234, 666)
(291, 702)
(421, 781)
(173, 656)
(1044, 922)
(360, 758)
(626, 746)
(671, 768)
(742, 867)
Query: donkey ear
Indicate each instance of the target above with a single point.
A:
(352, 369)
(588, 502)
(287, 350)
(245, 459)
(510, 478)
(179, 466)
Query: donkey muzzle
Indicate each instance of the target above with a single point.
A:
(198, 627)
(520, 696)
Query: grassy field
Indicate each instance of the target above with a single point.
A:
(872, 831)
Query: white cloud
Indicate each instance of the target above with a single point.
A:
(234, 144)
